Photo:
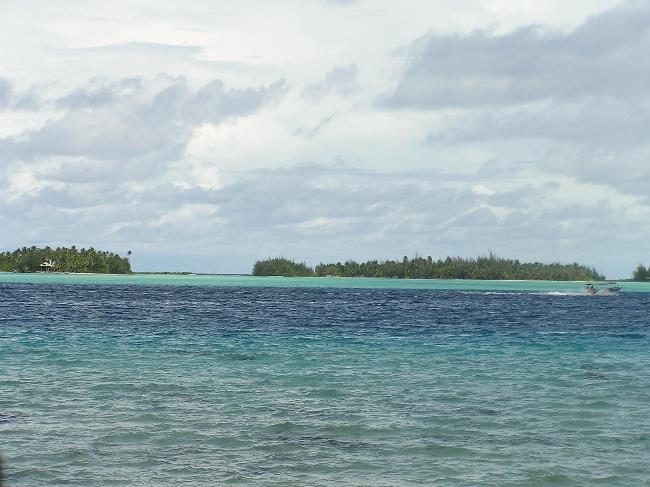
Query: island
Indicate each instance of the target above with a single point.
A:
(486, 267)
(63, 259)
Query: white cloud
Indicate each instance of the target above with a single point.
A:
(130, 129)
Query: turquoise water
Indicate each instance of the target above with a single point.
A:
(211, 380)
(327, 282)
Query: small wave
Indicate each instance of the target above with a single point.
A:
(502, 293)
(564, 293)
(505, 293)
(634, 336)
(283, 427)
(437, 450)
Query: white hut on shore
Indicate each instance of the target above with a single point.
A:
(46, 266)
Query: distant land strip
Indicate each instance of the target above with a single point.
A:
(486, 267)
(63, 259)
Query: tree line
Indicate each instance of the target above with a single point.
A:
(641, 273)
(279, 266)
(486, 267)
(64, 259)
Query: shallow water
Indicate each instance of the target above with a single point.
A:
(212, 385)
(309, 282)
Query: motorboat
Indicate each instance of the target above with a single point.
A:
(607, 288)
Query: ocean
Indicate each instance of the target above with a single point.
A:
(209, 380)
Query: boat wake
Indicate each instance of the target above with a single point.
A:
(580, 293)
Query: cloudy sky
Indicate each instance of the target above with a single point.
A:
(203, 135)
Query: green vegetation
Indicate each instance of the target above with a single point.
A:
(489, 267)
(280, 266)
(641, 273)
(64, 260)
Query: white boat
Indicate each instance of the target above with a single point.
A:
(606, 288)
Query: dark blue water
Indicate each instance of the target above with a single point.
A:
(143, 385)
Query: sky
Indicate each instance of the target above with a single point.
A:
(205, 135)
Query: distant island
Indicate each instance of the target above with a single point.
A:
(487, 267)
(63, 259)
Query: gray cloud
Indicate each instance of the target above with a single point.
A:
(341, 80)
(364, 209)
(570, 103)
(99, 92)
(137, 124)
(12, 99)
(213, 103)
(602, 57)
(625, 169)
(318, 212)
(584, 140)
(172, 97)
(600, 121)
